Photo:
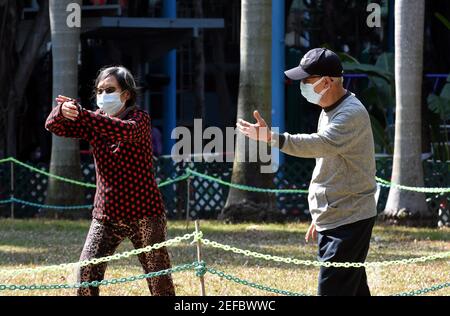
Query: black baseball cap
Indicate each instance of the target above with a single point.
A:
(317, 62)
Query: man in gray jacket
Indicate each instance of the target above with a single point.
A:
(342, 190)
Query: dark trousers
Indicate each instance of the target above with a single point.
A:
(347, 243)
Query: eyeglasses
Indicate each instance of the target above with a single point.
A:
(107, 90)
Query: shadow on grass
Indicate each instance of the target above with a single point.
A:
(394, 233)
(39, 225)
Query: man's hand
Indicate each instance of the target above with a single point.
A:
(258, 131)
(311, 233)
(69, 108)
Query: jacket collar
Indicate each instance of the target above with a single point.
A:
(121, 115)
(127, 111)
(338, 102)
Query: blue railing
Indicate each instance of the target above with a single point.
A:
(437, 78)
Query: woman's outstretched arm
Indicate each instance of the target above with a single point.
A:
(131, 129)
(64, 127)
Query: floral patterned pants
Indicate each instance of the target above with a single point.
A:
(104, 238)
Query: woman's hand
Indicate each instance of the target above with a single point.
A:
(311, 233)
(258, 131)
(69, 107)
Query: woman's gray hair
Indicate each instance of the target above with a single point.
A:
(124, 78)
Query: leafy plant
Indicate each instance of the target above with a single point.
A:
(440, 105)
(443, 20)
(344, 57)
(378, 94)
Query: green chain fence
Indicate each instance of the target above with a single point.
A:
(245, 187)
(266, 288)
(198, 236)
(200, 267)
(262, 287)
(388, 184)
(190, 172)
(84, 184)
(382, 182)
(32, 204)
(267, 257)
(18, 162)
(185, 267)
(425, 290)
(180, 268)
(118, 256)
(203, 198)
(200, 270)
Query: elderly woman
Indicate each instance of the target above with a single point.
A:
(127, 202)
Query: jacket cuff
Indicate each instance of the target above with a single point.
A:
(57, 115)
(278, 140)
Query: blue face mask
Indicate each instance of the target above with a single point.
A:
(308, 92)
(110, 103)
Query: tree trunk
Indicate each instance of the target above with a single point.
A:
(17, 64)
(408, 207)
(254, 94)
(9, 24)
(65, 157)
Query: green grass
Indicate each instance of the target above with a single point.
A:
(32, 243)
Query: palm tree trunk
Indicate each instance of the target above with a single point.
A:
(65, 159)
(405, 206)
(254, 94)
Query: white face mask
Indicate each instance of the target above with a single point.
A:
(110, 103)
(308, 92)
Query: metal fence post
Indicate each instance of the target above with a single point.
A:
(188, 199)
(199, 259)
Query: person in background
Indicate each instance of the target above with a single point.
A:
(157, 141)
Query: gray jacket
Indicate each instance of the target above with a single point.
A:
(342, 188)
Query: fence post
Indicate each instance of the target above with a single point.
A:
(12, 188)
(199, 259)
(188, 199)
